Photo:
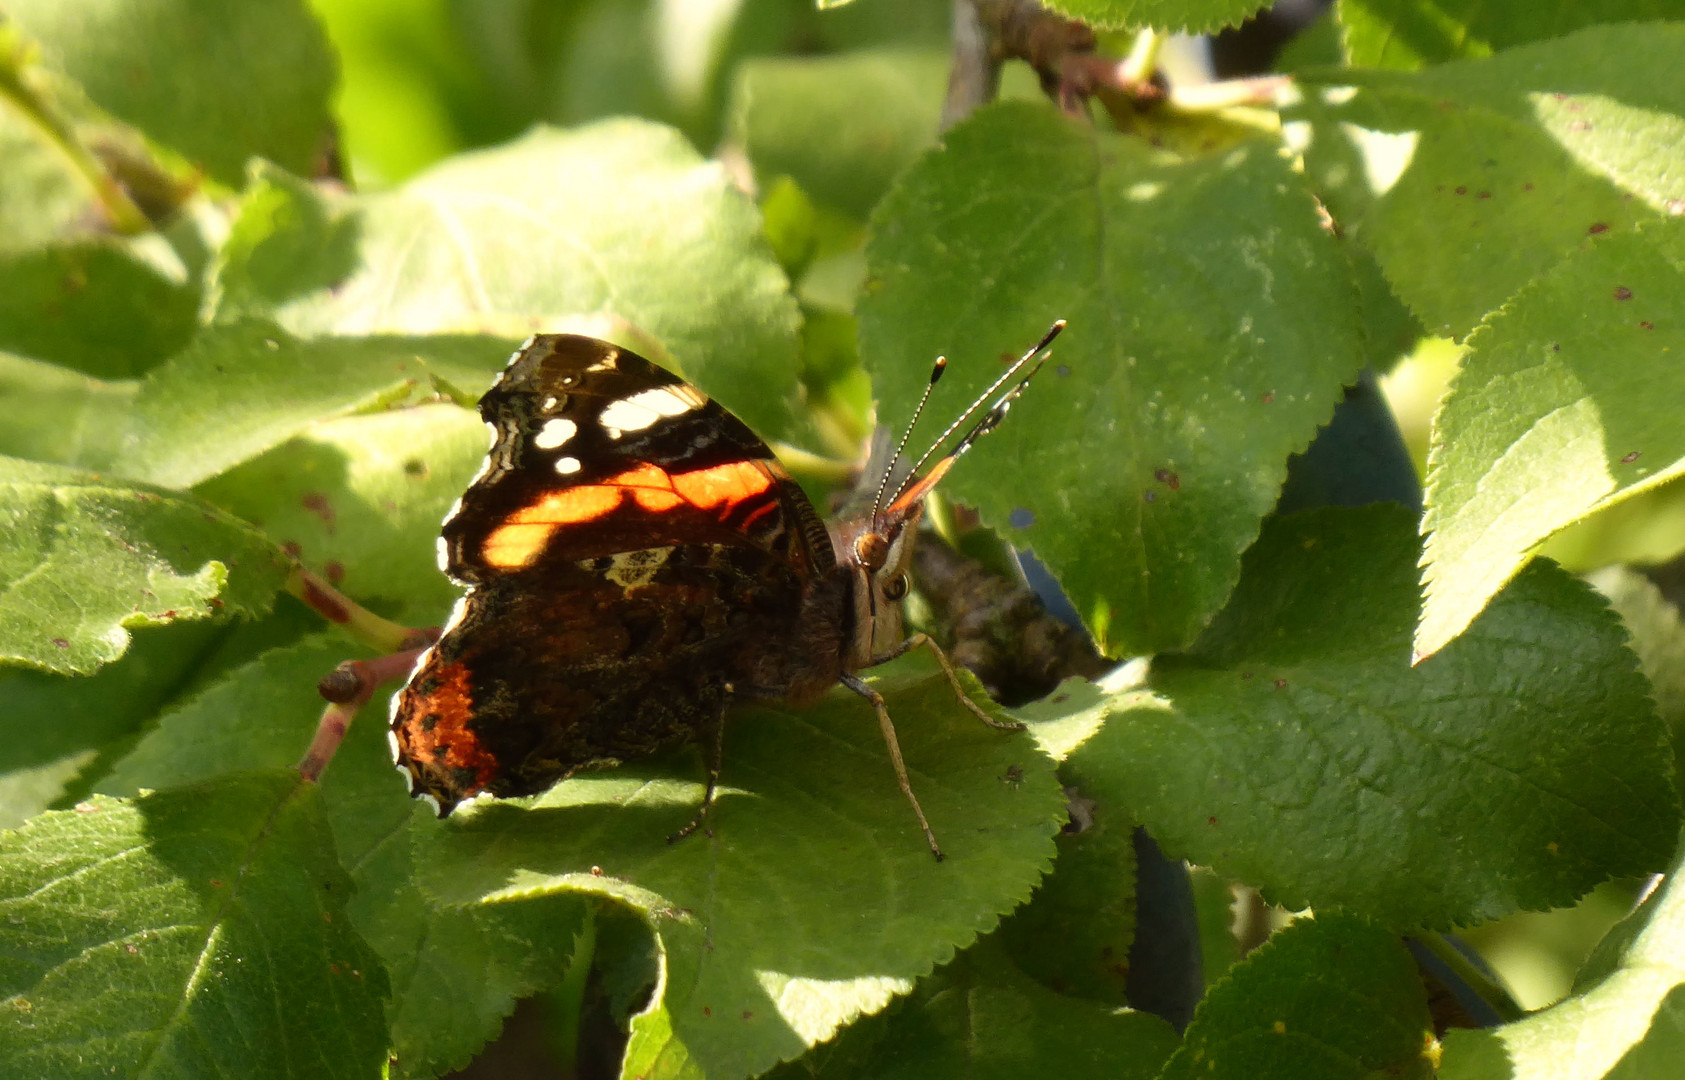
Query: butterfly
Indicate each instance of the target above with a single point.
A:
(635, 560)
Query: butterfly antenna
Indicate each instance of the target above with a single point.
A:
(936, 371)
(992, 418)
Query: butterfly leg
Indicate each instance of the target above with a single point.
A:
(887, 727)
(923, 641)
(716, 755)
(348, 688)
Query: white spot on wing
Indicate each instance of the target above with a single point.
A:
(442, 550)
(609, 362)
(554, 433)
(549, 403)
(567, 466)
(647, 406)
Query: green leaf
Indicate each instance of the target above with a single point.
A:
(812, 899)
(360, 500)
(105, 306)
(217, 82)
(1192, 16)
(1485, 173)
(978, 1016)
(57, 726)
(1075, 934)
(242, 389)
(1295, 748)
(58, 415)
(196, 932)
(879, 109)
(1139, 466)
(1628, 1025)
(287, 240)
(1565, 404)
(85, 558)
(43, 196)
(1327, 998)
(1658, 637)
(1407, 34)
(455, 972)
(615, 228)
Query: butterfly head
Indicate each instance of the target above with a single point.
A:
(877, 548)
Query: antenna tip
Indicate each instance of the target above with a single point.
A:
(1058, 325)
(938, 368)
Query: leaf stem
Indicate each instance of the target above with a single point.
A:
(1487, 988)
(380, 634)
(16, 57)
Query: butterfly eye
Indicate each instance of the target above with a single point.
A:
(895, 588)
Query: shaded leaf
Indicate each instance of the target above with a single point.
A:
(173, 935)
(615, 228)
(217, 82)
(1326, 998)
(360, 500)
(107, 307)
(1489, 172)
(1140, 465)
(1075, 934)
(813, 899)
(85, 558)
(1410, 33)
(1296, 749)
(1564, 404)
(1658, 637)
(455, 973)
(879, 109)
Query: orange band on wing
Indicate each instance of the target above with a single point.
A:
(523, 536)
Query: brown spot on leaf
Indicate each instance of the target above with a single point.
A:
(1269, 397)
(290, 549)
(1281, 684)
(61, 643)
(1596, 228)
(1168, 478)
(1622, 293)
(1460, 190)
(1646, 324)
(1212, 820)
(1483, 195)
(317, 503)
(334, 571)
(1630, 458)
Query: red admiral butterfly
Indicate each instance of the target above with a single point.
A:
(636, 558)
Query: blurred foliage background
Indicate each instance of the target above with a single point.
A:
(424, 79)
